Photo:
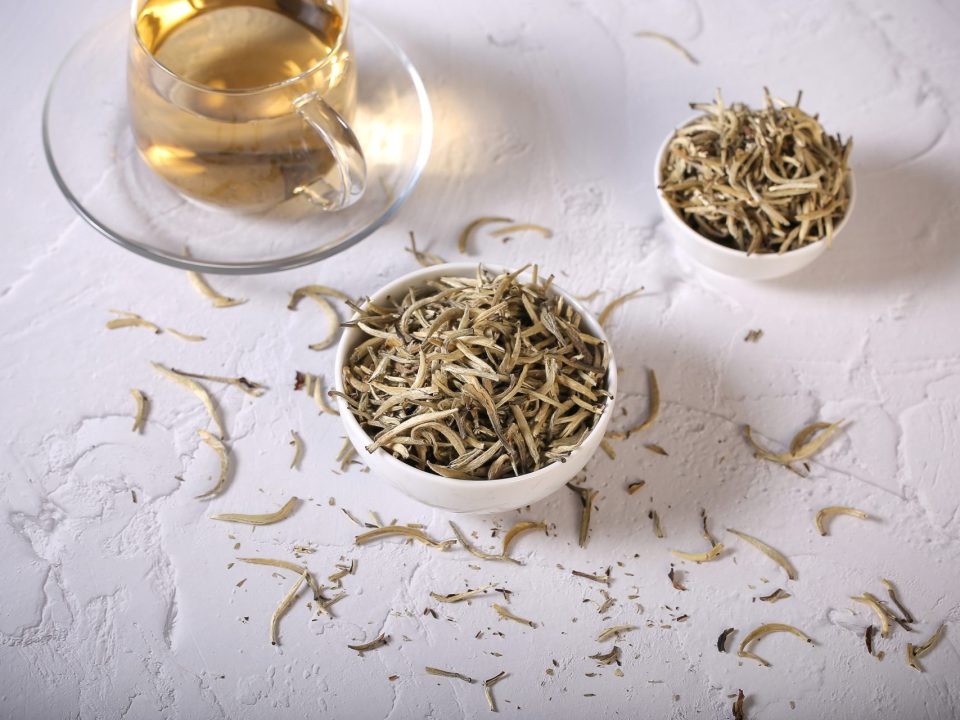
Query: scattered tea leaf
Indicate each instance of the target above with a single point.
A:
(517, 530)
(635, 486)
(774, 555)
(449, 674)
(763, 630)
(608, 449)
(753, 336)
(282, 609)
(606, 604)
(710, 554)
(607, 658)
(614, 631)
(297, 443)
(218, 300)
(319, 294)
(249, 387)
(587, 496)
(488, 689)
(657, 527)
(738, 706)
(142, 407)
(470, 548)
(868, 638)
(425, 259)
(377, 642)
(523, 227)
(652, 413)
(129, 319)
(778, 594)
(805, 444)
(892, 591)
(404, 531)
(722, 640)
(707, 535)
(474, 225)
(259, 519)
(914, 652)
(346, 455)
(669, 41)
(656, 449)
(603, 579)
(614, 304)
(882, 613)
(220, 449)
(315, 291)
(197, 389)
(461, 596)
(507, 615)
(293, 567)
(185, 336)
(674, 577)
(829, 512)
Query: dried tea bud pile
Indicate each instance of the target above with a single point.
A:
(476, 377)
(763, 181)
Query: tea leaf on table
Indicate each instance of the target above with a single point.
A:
(282, 609)
(130, 319)
(827, 512)
(507, 615)
(763, 630)
(475, 224)
(587, 496)
(614, 304)
(488, 689)
(142, 406)
(614, 631)
(297, 443)
(774, 555)
(449, 674)
(259, 519)
(197, 389)
(404, 531)
(710, 554)
(652, 413)
(378, 642)
(247, 386)
(666, 39)
(184, 336)
(425, 259)
(523, 227)
(220, 449)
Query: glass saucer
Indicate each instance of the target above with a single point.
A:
(91, 153)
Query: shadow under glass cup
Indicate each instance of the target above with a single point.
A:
(244, 104)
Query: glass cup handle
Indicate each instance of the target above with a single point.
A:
(349, 177)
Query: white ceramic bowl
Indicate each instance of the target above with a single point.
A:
(469, 496)
(736, 263)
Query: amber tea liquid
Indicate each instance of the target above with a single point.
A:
(213, 121)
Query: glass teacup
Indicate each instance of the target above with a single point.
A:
(246, 103)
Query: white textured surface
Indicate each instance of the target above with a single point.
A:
(550, 112)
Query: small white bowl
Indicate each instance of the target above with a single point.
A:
(736, 263)
(469, 496)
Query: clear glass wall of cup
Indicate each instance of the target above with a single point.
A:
(244, 104)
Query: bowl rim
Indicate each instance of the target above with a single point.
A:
(467, 269)
(816, 246)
